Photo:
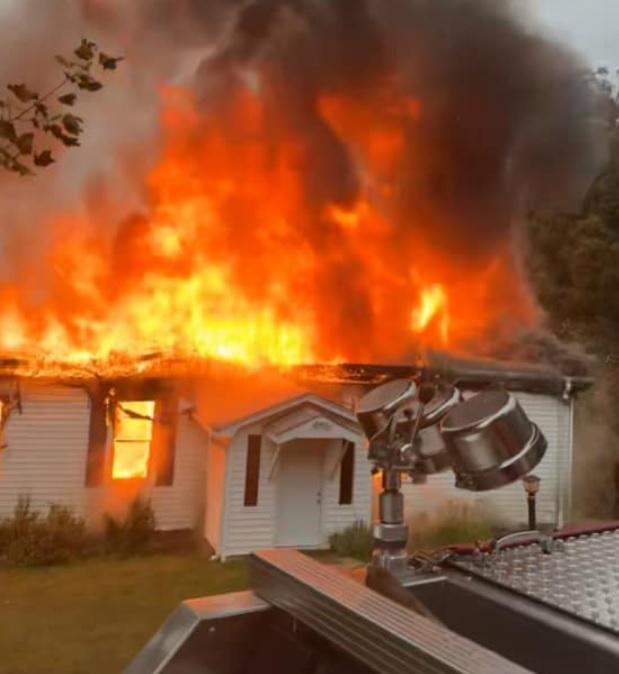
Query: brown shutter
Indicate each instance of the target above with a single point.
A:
(163, 445)
(347, 470)
(252, 469)
(97, 441)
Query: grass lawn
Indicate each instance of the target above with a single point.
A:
(93, 617)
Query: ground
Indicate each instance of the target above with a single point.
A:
(93, 617)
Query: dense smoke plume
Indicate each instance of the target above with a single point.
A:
(467, 117)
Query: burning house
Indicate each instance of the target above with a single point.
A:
(285, 186)
(320, 193)
(272, 460)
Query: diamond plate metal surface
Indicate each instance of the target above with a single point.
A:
(581, 577)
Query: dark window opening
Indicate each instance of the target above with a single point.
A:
(252, 469)
(347, 468)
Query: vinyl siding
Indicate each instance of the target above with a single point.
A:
(335, 516)
(508, 504)
(45, 459)
(247, 528)
(181, 505)
(45, 453)
(216, 479)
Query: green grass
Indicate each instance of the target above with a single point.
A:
(94, 617)
(454, 522)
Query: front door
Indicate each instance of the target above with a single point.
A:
(299, 494)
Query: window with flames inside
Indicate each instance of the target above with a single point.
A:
(138, 444)
(133, 435)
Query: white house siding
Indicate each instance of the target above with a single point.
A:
(215, 481)
(508, 504)
(253, 527)
(46, 445)
(181, 505)
(336, 517)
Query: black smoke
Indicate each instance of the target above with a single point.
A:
(506, 114)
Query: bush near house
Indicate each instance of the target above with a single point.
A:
(135, 534)
(32, 539)
(355, 541)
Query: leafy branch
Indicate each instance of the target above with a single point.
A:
(27, 117)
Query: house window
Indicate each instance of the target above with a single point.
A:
(347, 468)
(133, 432)
(252, 469)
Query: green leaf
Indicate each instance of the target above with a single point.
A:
(88, 83)
(72, 124)
(57, 132)
(86, 50)
(43, 158)
(68, 99)
(24, 143)
(109, 62)
(22, 93)
(41, 109)
(7, 130)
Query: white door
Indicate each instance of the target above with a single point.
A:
(299, 495)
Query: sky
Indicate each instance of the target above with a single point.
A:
(591, 27)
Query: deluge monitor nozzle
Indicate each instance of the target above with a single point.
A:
(419, 429)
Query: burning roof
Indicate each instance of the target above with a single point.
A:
(338, 182)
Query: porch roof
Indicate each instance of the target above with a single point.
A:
(291, 413)
(310, 422)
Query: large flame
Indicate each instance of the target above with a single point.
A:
(233, 260)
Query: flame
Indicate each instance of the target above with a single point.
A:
(133, 432)
(235, 259)
(433, 308)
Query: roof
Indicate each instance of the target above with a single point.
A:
(466, 373)
(308, 420)
(292, 413)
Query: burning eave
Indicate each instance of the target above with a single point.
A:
(467, 373)
(156, 370)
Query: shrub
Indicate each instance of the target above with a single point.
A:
(134, 534)
(455, 522)
(31, 539)
(355, 541)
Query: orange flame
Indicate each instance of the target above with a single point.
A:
(433, 308)
(133, 432)
(234, 263)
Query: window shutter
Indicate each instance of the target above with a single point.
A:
(347, 470)
(97, 441)
(163, 447)
(252, 469)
